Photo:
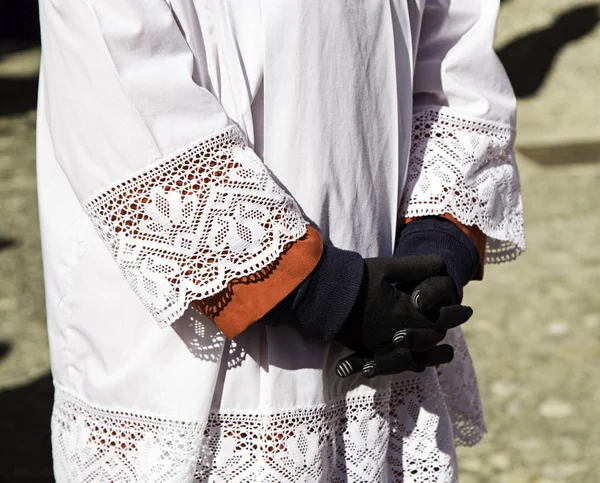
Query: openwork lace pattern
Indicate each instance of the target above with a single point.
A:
(467, 168)
(91, 444)
(458, 382)
(405, 434)
(184, 228)
(400, 435)
(394, 436)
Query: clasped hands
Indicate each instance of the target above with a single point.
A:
(404, 310)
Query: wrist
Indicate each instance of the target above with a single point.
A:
(321, 305)
(438, 236)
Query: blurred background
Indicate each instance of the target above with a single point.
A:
(536, 334)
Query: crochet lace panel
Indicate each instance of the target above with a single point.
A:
(92, 444)
(467, 168)
(395, 436)
(458, 382)
(406, 434)
(184, 228)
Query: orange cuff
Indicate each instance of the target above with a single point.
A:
(248, 299)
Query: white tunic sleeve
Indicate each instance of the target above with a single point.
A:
(462, 160)
(183, 204)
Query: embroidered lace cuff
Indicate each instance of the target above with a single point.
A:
(466, 167)
(182, 229)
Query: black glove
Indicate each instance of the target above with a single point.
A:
(413, 349)
(385, 318)
(353, 301)
(422, 237)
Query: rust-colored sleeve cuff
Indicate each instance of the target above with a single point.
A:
(248, 299)
(475, 235)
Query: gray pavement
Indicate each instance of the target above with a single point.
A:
(535, 337)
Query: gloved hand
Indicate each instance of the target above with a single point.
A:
(418, 348)
(384, 317)
(413, 349)
(354, 301)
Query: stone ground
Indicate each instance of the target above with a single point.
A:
(536, 334)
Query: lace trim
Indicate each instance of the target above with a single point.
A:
(467, 168)
(90, 444)
(399, 436)
(183, 229)
(213, 306)
(461, 392)
(405, 435)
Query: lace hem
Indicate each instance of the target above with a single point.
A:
(400, 435)
(467, 168)
(91, 444)
(187, 226)
(405, 434)
(458, 382)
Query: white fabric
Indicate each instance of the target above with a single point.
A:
(140, 107)
(455, 169)
(175, 249)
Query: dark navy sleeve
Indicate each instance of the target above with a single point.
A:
(434, 235)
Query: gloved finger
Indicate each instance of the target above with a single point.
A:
(453, 316)
(441, 354)
(417, 339)
(437, 291)
(351, 364)
(407, 287)
(393, 362)
(399, 361)
(402, 269)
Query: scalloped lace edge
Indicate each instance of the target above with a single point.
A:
(188, 225)
(466, 167)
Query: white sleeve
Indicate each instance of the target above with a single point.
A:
(166, 177)
(462, 159)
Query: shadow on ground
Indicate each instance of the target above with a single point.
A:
(25, 424)
(19, 20)
(6, 243)
(17, 95)
(25, 432)
(556, 155)
(19, 30)
(529, 58)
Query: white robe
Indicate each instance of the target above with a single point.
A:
(242, 121)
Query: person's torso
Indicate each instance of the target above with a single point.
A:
(324, 92)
